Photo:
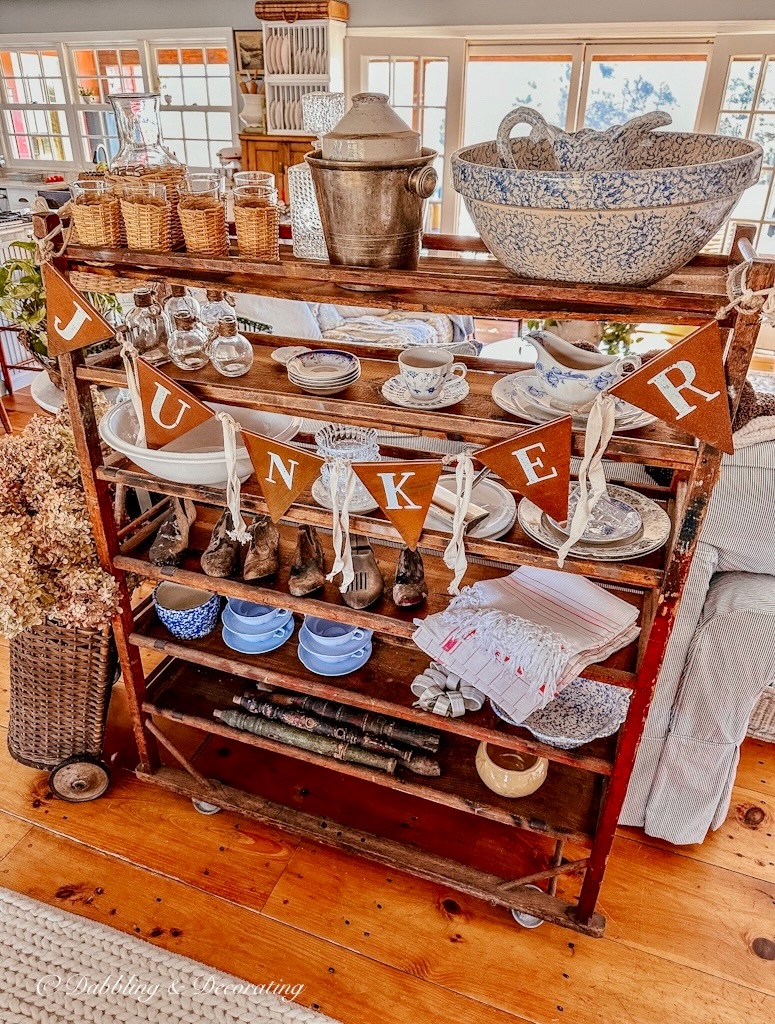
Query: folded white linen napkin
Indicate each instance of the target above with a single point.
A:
(522, 637)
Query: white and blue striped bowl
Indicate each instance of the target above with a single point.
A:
(187, 613)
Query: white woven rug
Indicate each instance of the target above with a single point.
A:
(57, 968)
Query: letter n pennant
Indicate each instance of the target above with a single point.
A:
(686, 386)
(168, 410)
(283, 471)
(71, 321)
(537, 464)
(403, 490)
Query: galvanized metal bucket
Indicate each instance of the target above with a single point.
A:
(372, 213)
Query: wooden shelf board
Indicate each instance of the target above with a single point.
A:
(565, 807)
(383, 616)
(478, 287)
(381, 686)
(393, 854)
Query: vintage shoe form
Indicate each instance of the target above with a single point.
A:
(368, 584)
(172, 539)
(262, 557)
(307, 568)
(410, 587)
(220, 557)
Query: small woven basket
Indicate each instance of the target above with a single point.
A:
(170, 178)
(85, 281)
(203, 219)
(60, 688)
(97, 221)
(258, 231)
(148, 223)
(762, 723)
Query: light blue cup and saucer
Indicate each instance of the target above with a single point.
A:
(333, 648)
(255, 628)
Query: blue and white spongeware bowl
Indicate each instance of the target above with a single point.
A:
(187, 613)
(625, 206)
(582, 711)
(253, 619)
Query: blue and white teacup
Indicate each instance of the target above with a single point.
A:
(188, 614)
(425, 371)
(573, 377)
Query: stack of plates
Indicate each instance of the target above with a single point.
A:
(324, 371)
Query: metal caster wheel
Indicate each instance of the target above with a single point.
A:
(528, 920)
(203, 807)
(79, 779)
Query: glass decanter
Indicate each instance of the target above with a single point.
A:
(179, 301)
(147, 326)
(139, 131)
(213, 309)
(188, 344)
(231, 353)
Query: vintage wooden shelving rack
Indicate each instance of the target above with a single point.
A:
(451, 830)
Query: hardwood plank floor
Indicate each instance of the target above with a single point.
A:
(691, 931)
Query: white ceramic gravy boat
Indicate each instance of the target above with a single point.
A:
(573, 377)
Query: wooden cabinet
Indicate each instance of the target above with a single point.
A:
(274, 153)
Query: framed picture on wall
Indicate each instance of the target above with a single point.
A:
(249, 47)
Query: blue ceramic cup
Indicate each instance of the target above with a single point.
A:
(188, 614)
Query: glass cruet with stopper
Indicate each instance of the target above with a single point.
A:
(148, 326)
(139, 131)
(231, 353)
(215, 306)
(188, 342)
(179, 301)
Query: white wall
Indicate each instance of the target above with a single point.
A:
(45, 16)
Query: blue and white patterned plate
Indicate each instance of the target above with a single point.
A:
(582, 711)
(324, 364)
(613, 518)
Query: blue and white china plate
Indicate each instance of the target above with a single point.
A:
(287, 352)
(267, 626)
(500, 505)
(582, 711)
(256, 645)
(326, 668)
(655, 530)
(397, 393)
(520, 394)
(613, 518)
(322, 365)
(313, 646)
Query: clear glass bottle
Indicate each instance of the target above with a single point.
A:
(148, 326)
(188, 344)
(231, 353)
(213, 309)
(180, 301)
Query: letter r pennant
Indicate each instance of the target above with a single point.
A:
(282, 471)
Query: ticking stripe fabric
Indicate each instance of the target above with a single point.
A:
(720, 657)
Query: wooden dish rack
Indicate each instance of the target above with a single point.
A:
(451, 830)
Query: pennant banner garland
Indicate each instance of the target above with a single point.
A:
(168, 409)
(71, 321)
(536, 464)
(403, 490)
(283, 471)
(686, 386)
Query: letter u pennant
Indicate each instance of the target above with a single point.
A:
(403, 490)
(686, 386)
(169, 411)
(283, 472)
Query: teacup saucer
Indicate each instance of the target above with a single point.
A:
(256, 644)
(360, 505)
(327, 668)
(397, 393)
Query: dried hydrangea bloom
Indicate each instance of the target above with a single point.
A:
(23, 597)
(84, 598)
(13, 467)
(61, 532)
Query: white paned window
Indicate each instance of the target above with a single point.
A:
(197, 98)
(35, 105)
(97, 73)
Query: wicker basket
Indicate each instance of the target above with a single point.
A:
(148, 223)
(86, 281)
(60, 687)
(203, 219)
(302, 10)
(97, 221)
(762, 724)
(258, 231)
(169, 177)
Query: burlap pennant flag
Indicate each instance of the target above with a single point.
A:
(686, 386)
(168, 410)
(403, 490)
(536, 463)
(71, 320)
(282, 471)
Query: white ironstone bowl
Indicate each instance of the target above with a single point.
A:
(627, 206)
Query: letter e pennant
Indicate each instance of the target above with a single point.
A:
(71, 321)
(537, 464)
(686, 386)
(168, 410)
(404, 491)
(283, 471)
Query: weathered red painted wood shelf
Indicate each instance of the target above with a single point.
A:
(430, 827)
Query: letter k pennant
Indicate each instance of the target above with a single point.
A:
(403, 490)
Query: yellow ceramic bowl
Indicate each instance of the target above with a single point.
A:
(510, 772)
